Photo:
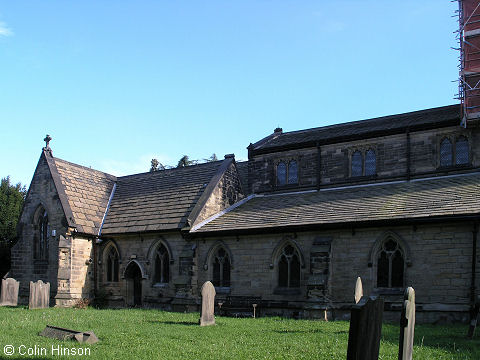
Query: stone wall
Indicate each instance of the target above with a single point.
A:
(391, 159)
(439, 269)
(141, 251)
(225, 193)
(25, 268)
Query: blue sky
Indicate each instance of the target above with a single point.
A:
(116, 83)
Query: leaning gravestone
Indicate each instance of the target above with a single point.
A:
(365, 329)
(9, 296)
(39, 295)
(358, 290)
(407, 326)
(208, 304)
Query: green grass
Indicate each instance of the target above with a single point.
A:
(152, 334)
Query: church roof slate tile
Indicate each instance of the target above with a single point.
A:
(87, 193)
(447, 115)
(156, 201)
(422, 198)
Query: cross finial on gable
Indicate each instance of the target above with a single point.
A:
(47, 142)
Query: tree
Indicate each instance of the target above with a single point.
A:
(212, 158)
(156, 166)
(185, 161)
(11, 203)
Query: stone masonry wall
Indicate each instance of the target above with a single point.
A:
(141, 250)
(391, 159)
(24, 267)
(226, 192)
(262, 169)
(440, 269)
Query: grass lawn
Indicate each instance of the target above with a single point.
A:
(152, 334)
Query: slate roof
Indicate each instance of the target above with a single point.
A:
(365, 128)
(155, 201)
(454, 195)
(87, 192)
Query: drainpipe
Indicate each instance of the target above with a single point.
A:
(473, 289)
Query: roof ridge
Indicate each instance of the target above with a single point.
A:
(378, 118)
(171, 169)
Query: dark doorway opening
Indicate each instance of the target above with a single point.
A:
(133, 276)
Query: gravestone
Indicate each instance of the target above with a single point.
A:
(39, 295)
(365, 329)
(358, 290)
(9, 296)
(87, 337)
(407, 326)
(208, 304)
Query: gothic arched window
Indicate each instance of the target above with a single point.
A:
(446, 153)
(111, 264)
(292, 172)
(370, 162)
(221, 268)
(289, 268)
(357, 160)
(390, 265)
(42, 235)
(162, 265)
(461, 151)
(281, 173)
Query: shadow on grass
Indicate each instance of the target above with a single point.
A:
(434, 338)
(313, 331)
(187, 323)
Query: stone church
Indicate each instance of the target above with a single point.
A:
(394, 200)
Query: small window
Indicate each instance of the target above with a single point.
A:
(112, 265)
(292, 172)
(357, 160)
(162, 265)
(461, 151)
(446, 153)
(221, 268)
(289, 268)
(281, 173)
(390, 265)
(370, 163)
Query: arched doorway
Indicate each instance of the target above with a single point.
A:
(133, 277)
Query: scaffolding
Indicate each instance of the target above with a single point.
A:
(468, 35)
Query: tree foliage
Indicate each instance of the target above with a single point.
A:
(156, 166)
(11, 202)
(184, 161)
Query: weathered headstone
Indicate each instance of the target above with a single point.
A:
(87, 337)
(9, 296)
(208, 304)
(407, 326)
(365, 329)
(358, 290)
(39, 295)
